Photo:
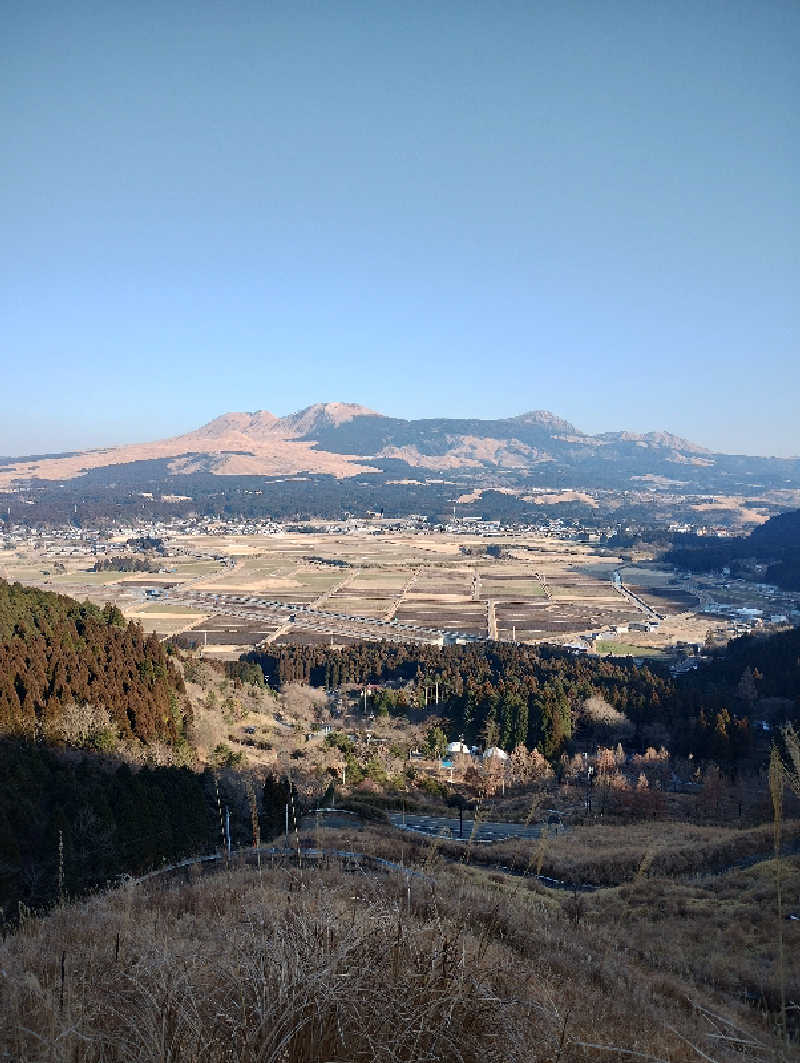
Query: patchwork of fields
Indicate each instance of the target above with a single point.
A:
(230, 594)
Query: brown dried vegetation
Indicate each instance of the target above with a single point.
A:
(313, 965)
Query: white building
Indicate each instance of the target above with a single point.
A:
(456, 748)
(495, 751)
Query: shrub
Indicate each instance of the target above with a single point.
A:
(224, 757)
(433, 786)
(340, 741)
(368, 786)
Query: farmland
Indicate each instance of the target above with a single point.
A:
(229, 593)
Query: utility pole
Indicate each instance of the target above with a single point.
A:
(60, 867)
(589, 773)
(219, 810)
(294, 822)
(255, 825)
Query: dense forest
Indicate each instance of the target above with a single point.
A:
(774, 661)
(107, 818)
(72, 820)
(526, 690)
(70, 668)
(508, 694)
(784, 574)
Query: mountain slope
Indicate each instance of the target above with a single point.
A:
(348, 440)
(242, 444)
(775, 543)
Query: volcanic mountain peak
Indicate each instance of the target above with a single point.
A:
(547, 420)
(259, 424)
(667, 439)
(658, 439)
(254, 422)
(343, 439)
(323, 415)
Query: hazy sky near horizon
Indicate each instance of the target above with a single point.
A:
(433, 209)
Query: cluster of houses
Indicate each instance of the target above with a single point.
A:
(461, 749)
(776, 608)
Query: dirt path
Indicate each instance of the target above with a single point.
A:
(491, 620)
(329, 593)
(409, 583)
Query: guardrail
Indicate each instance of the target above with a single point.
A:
(350, 860)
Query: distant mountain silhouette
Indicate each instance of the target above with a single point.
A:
(347, 440)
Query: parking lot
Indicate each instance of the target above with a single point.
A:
(443, 827)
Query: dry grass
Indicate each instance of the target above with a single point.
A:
(612, 855)
(715, 933)
(606, 855)
(321, 966)
(720, 933)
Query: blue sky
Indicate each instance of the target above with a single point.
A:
(429, 208)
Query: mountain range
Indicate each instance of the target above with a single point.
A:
(344, 440)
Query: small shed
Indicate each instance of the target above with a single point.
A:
(495, 751)
(454, 748)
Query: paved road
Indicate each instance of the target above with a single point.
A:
(637, 601)
(443, 827)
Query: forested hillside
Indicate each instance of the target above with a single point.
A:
(509, 694)
(522, 694)
(88, 819)
(69, 668)
(504, 694)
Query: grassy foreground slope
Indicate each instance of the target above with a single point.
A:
(319, 965)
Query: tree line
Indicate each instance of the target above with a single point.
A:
(508, 694)
(501, 693)
(124, 564)
(71, 821)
